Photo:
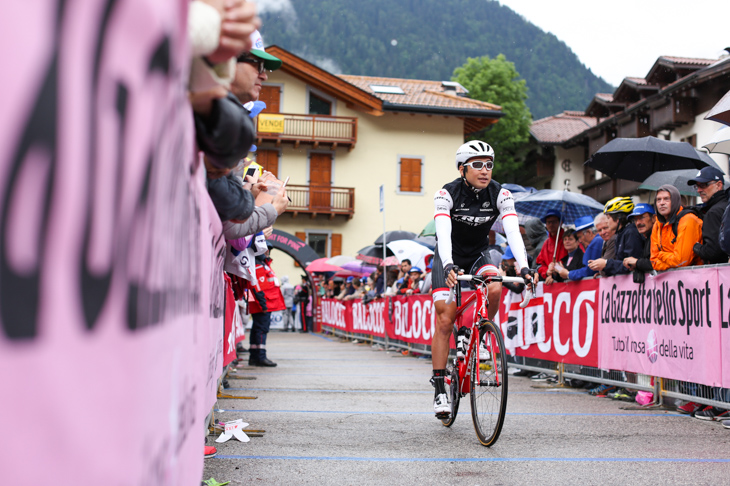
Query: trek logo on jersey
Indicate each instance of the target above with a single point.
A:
(473, 220)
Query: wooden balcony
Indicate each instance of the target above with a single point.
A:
(317, 130)
(327, 201)
(672, 114)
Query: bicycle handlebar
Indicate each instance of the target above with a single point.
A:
(494, 278)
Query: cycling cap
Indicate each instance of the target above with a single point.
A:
(415, 270)
(619, 205)
(473, 149)
(642, 208)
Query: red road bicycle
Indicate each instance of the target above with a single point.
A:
(483, 376)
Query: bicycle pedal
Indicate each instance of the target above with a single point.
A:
(443, 415)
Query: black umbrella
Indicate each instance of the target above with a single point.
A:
(374, 254)
(395, 235)
(635, 159)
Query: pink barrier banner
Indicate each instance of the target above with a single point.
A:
(559, 323)
(412, 319)
(667, 327)
(367, 319)
(723, 279)
(111, 302)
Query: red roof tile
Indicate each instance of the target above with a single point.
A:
(419, 93)
(562, 127)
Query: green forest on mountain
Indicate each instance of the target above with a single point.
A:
(428, 39)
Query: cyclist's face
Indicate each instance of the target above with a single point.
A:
(477, 178)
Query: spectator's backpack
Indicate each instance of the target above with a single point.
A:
(679, 216)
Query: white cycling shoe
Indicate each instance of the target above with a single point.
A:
(441, 406)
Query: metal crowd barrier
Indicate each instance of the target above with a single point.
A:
(662, 388)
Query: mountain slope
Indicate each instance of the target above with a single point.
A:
(427, 39)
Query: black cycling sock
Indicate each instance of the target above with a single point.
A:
(437, 380)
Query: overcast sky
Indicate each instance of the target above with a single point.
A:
(623, 38)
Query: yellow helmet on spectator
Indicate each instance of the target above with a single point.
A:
(619, 205)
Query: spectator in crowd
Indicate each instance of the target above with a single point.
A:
(629, 243)
(508, 269)
(644, 218)
(709, 183)
(403, 269)
(553, 248)
(392, 281)
(304, 297)
(607, 232)
(724, 236)
(584, 231)
(411, 285)
(358, 290)
(267, 299)
(534, 237)
(287, 291)
(251, 70)
(675, 232)
(572, 261)
(426, 281)
(347, 289)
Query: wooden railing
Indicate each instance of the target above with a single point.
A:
(314, 200)
(316, 129)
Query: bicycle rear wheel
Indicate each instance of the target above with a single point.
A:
(489, 384)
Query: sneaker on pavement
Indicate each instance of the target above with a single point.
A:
(711, 413)
(210, 451)
(601, 390)
(624, 395)
(551, 380)
(689, 408)
(725, 423)
(524, 373)
(541, 377)
(441, 406)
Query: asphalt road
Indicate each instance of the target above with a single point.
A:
(346, 414)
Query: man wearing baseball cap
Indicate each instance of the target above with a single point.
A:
(709, 184)
(251, 70)
(643, 217)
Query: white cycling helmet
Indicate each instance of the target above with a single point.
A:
(472, 149)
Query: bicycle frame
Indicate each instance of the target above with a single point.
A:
(481, 313)
(480, 297)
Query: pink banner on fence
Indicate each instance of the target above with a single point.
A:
(667, 327)
(723, 299)
(412, 319)
(559, 323)
(334, 313)
(110, 309)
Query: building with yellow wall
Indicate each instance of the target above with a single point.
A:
(342, 137)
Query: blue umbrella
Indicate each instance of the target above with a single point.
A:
(571, 205)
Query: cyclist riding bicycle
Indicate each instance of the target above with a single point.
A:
(465, 210)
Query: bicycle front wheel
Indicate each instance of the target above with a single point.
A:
(488, 384)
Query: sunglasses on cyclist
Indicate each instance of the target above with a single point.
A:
(479, 164)
(258, 63)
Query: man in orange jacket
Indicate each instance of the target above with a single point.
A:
(675, 232)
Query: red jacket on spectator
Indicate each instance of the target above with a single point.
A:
(270, 298)
(545, 257)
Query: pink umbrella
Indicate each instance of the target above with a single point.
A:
(321, 265)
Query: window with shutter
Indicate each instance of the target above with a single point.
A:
(336, 245)
(269, 160)
(410, 174)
